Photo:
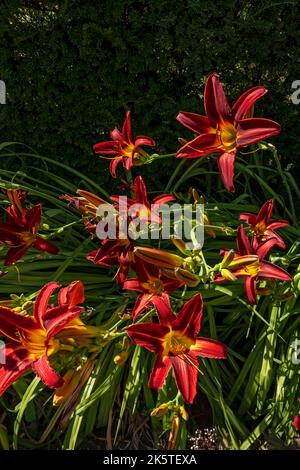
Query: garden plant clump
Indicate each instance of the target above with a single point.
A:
(115, 335)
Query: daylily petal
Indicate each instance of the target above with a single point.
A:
(161, 368)
(163, 199)
(113, 166)
(142, 302)
(45, 372)
(17, 363)
(243, 242)
(215, 101)
(205, 347)
(33, 217)
(265, 212)
(126, 129)
(140, 192)
(265, 247)
(185, 372)
(148, 335)
(195, 122)
(246, 101)
(106, 148)
(14, 254)
(202, 145)
(250, 288)
(269, 270)
(164, 310)
(44, 245)
(42, 301)
(133, 284)
(72, 295)
(226, 167)
(144, 140)
(278, 224)
(188, 321)
(56, 324)
(11, 321)
(255, 129)
(251, 219)
(116, 135)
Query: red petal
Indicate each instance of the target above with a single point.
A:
(250, 288)
(56, 324)
(106, 148)
(215, 101)
(265, 212)
(116, 135)
(142, 302)
(133, 284)
(11, 321)
(278, 224)
(164, 310)
(113, 166)
(246, 100)
(126, 129)
(17, 363)
(148, 335)
(251, 219)
(44, 245)
(33, 217)
(145, 270)
(209, 348)
(186, 376)
(296, 422)
(72, 295)
(140, 192)
(14, 254)
(161, 368)
(243, 242)
(42, 301)
(269, 270)
(163, 199)
(45, 372)
(189, 318)
(256, 129)
(226, 167)
(194, 122)
(202, 145)
(144, 140)
(265, 247)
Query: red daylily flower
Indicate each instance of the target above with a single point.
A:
(176, 344)
(148, 210)
(296, 422)
(87, 203)
(262, 226)
(223, 131)
(31, 340)
(258, 270)
(150, 283)
(19, 231)
(115, 253)
(123, 148)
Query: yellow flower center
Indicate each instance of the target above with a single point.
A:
(27, 238)
(34, 342)
(228, 136)
(252, 269)
(153, 286)
(176, 344)
(127, 150)
(260, 228)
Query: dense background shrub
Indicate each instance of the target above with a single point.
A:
(73, 67)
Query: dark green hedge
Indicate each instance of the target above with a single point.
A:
(73, 67)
